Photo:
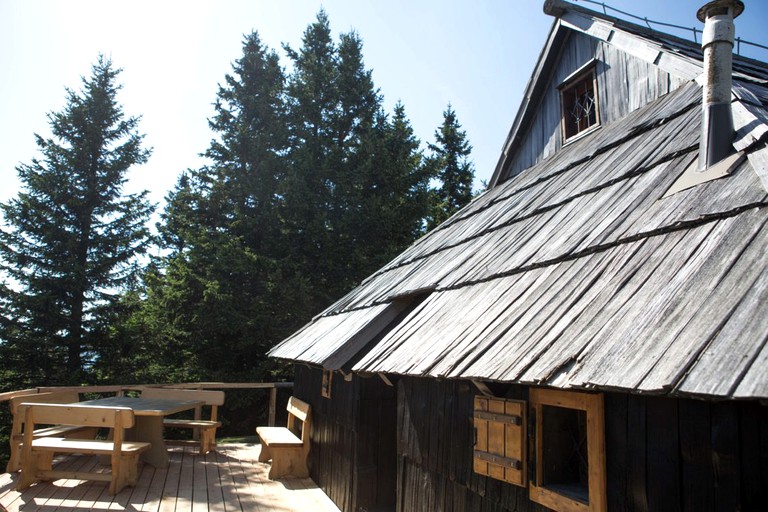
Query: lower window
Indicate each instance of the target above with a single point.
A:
(569, 448)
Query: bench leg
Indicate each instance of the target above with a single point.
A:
(126, 473)
(265, 453)
(32, 468)
(207, 440)
(14, 462)
(288, 462)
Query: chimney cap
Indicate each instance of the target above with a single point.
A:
(717, 7)
(555, 8)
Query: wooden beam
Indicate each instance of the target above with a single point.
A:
(483, 388)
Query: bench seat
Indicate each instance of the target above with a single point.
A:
(86, 446)
(278, 436)
(179, 423)
(55, 431)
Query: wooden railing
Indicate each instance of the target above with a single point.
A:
(120, 390)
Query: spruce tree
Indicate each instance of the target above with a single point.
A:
(314, 157)
(310, 188)
(215, 307)
(394, 200)
(71, 237)
(449, 163)
(352, 172)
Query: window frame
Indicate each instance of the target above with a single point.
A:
(579, 76)
(592, 404)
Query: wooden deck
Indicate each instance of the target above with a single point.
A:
(229, 480)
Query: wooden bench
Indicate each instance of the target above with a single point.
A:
(288, 450)
(204, 429)
(17, 428)
(37, 453)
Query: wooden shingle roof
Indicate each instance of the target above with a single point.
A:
(579, 273)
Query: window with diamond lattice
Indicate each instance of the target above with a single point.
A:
(579, 103)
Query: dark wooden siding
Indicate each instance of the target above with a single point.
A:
(435, 437)
(352, 456)
(662, 453)
(685, 455)
(625, 83)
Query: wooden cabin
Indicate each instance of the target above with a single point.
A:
(589, 334)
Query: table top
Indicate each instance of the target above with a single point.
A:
(146, 406)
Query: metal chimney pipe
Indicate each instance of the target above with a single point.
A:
(717, 44)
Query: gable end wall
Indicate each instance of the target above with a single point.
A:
(625, 83)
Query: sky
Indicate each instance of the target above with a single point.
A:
(476, 55)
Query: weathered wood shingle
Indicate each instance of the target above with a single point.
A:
(579, 273)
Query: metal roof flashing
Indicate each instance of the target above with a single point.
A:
(694, 176)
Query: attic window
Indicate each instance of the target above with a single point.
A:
(578, 98)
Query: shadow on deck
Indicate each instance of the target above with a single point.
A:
(229, 480)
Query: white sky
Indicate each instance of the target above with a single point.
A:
(476, 54)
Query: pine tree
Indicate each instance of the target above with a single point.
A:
(216, 301)
(449, 163)
(315, 154)
(310, 188)
(352, 172)
(394, 200)
(72, 236)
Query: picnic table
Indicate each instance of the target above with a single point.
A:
(149, 414)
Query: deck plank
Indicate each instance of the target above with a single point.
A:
(240, 484)
(230, 480)
(213, 478)
(200, 489)
(184, 494)
(71, 500)
(171, 484)
(230, 500)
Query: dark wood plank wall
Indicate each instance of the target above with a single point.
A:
(662, 453)
(625, 83)
(352, 456)
(435, 436)
(332, 449)
(698, 455)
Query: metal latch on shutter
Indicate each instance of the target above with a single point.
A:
(499, 418)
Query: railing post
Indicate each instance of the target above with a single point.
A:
(272, 406)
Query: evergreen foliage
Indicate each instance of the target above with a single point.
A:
(310, 186)
(213, 305)
(355, 192)
(71, 238)
(449, 163)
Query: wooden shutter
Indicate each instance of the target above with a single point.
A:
(500, 439)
